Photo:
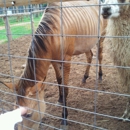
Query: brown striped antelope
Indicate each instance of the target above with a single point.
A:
(119, 48)
(75, 21)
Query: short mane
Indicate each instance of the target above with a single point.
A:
(38, 45)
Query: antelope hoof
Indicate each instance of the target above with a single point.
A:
(83, 80)
(100, 78)
(64, 127)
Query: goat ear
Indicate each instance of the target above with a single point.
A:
(10, 85)
(36, 88)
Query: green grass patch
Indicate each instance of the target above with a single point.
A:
(13, 20)
(20, 30)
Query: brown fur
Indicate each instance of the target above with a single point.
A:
(75, 21)
(41, 45)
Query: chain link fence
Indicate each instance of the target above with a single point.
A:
(94, 104)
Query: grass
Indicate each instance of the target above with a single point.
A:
(20, 30)
(13, 20)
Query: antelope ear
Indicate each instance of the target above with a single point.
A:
(36, 88)
(10, 85)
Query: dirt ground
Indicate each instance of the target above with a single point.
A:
(106, 104)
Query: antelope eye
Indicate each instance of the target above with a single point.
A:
(28, 115)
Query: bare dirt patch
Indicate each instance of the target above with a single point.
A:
(107, 104)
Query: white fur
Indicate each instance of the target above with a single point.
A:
(115, 8)
(119, 48)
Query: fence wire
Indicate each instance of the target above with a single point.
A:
(49, 117)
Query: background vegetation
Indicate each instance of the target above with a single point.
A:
(18, 28)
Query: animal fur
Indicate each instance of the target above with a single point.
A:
(119, 46)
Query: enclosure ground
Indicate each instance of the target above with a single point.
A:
(2, 27)
(107, 104)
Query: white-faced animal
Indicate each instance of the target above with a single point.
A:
(118, 14)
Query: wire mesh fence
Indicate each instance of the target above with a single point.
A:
(55, 57)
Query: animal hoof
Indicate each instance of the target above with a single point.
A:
(64, 127)
(83, 81)
(100, 79)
